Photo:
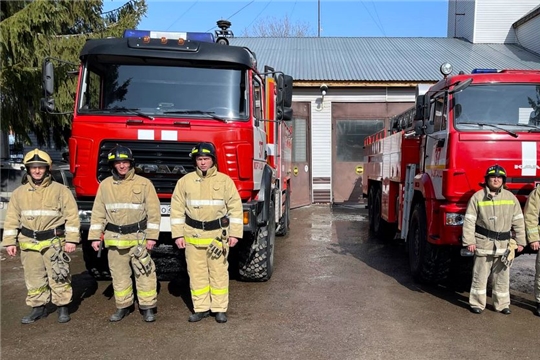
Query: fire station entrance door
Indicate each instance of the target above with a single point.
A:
(351, 123)
(301, 156)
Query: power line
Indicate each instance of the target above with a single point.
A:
(184, 13)
(372, 18)
(292, 11)
(242, 8)
(378, 18)
(259, 14)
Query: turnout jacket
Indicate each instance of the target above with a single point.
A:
(205, 198)
(500, 213)
(532, 215)
(124, 202)
(40, 208)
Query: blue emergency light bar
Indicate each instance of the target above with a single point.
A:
(171, 35)
(484, 71)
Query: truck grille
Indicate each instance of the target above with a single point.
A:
(162, 162)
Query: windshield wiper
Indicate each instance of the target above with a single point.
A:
(131, 111)
(511, 133)
(534, 127)
(197, 112)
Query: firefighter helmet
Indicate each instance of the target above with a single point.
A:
(120, 153)
(203, 149)
(37, 157)
(496, 170)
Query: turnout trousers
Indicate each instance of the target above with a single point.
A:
(483, 267)
(39, 281)
(121, 273)
(208, 279)
(537, 279)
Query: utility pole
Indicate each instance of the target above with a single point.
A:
(319, 19)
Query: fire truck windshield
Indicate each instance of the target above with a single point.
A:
(164, 91)
(515, 106)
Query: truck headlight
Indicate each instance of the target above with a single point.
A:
(453, 219)
(85, 215)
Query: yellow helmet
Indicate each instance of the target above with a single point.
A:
(38, 158)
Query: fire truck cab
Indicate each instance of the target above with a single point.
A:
(161, 93)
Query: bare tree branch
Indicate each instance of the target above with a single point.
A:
(280, 28)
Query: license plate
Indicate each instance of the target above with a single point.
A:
(165, 209)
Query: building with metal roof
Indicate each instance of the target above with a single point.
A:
(366, 81)
(382, 60)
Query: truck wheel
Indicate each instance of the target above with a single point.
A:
(98, 268)
(256, 263)
(429, 263)
(285, 218)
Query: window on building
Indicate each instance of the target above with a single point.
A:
(350, 137)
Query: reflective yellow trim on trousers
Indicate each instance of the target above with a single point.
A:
(123, 243)
(202, 291)
(496, 202)
(38, 291)
(147, 293)
(219, 291)
(198, 242)
(40, 245)
(125, 292)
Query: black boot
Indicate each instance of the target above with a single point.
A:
(38, 312)
(221, 317)
(63, 314)
(537, 312)
(148, 315)
(198, 316)
(120, 314)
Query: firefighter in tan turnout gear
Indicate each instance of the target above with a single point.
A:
(492, 214)
(126, 217)
(43, 218)
(532, 225)
(206, 219)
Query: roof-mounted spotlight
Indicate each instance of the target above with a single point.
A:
(223, 35)
(446, 69)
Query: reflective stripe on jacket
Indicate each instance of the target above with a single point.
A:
(500, 213)
(125, 202)
(532, 213)
(40, 208)
(205, 198)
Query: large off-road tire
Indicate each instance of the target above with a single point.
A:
(256, 262)
(97, 267)
(285, 218)
(429, 264)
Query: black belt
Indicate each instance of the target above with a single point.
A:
(127, 229)
(44, 234)
(208, 225)
(493, 234)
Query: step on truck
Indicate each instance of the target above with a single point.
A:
(422, 169)
(161, 93)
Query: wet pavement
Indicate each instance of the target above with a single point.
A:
(336, 293)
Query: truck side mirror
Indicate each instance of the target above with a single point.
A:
(47, 102)
(284, 96)
(419, 111)
(48, 78)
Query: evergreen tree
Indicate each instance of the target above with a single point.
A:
(30, 31)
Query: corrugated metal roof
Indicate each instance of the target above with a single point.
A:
(382, 59)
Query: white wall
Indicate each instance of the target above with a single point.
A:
(486, 21)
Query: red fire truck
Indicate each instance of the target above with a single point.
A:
(161, 93)
(423, 168)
